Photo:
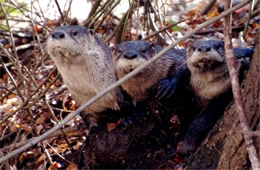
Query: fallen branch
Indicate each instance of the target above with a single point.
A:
(122, 80)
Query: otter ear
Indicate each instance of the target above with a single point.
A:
(92, 31)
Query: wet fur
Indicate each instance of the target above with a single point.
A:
(85, 64)
(138, 87)
(209, 72)
(210, 83)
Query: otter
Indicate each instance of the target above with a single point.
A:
(131, 54)
(86, 66)
(209, 72)
(196, 80)
(211, 86)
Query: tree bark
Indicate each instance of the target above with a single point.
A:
(224, 147)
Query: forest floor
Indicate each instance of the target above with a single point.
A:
(33, 98)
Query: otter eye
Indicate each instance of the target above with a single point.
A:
(75, 33)
(219, 46)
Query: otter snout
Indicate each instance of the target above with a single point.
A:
(204, 48)
(58, 35)
(130, 55)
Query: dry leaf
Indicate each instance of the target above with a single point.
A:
(41, 119)
(26, 127)
(39, 128)
(40, 160)
(111, 126)
(72, 166)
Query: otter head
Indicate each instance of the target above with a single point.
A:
(131, 54)
(67, 42)
(206, 55)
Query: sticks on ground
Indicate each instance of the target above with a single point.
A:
(122, 80)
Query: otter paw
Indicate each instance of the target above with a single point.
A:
(94, 129)
(165, 88)
(125, 105)
(186, 148)
(89, 120)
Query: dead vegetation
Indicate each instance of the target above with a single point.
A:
(33, 99)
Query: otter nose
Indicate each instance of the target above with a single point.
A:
(204, 48)
(130, 55)
(58, 35)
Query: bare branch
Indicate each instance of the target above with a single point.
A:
(208, 7)
(117, 83)
(61, 14)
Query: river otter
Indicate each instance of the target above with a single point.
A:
(210, 83)
(86, 66)
(131, 54)
(209, 72)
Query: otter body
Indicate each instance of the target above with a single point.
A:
(209, 72)
(86, 66)
(131, 54)
(211, 86)
(206, 61)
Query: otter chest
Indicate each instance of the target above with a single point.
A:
(79, 80)
(207, 88)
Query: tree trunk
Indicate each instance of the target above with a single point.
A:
(224, 147)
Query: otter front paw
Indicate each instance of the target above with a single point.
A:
(125, 105)
(188, 146)
(90, 121)
(165, 88)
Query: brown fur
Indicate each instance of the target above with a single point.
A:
(209, 72)
(85, 64)
(138, 86)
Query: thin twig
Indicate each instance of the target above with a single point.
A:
(130, 11)
(61, 14)
(57, 153)
(153, 26)
(240, 106)
(16, 63)
(94, 8)
(55, 134)
(165, 28)
(208, 7)
(12, 78)
(33, 26)
(99, 13)
(248, 19)
(122, 80)
(118, 27)
(68, 10)
(106, 14)
(10, 91)
(213, 30)
(29, 98)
